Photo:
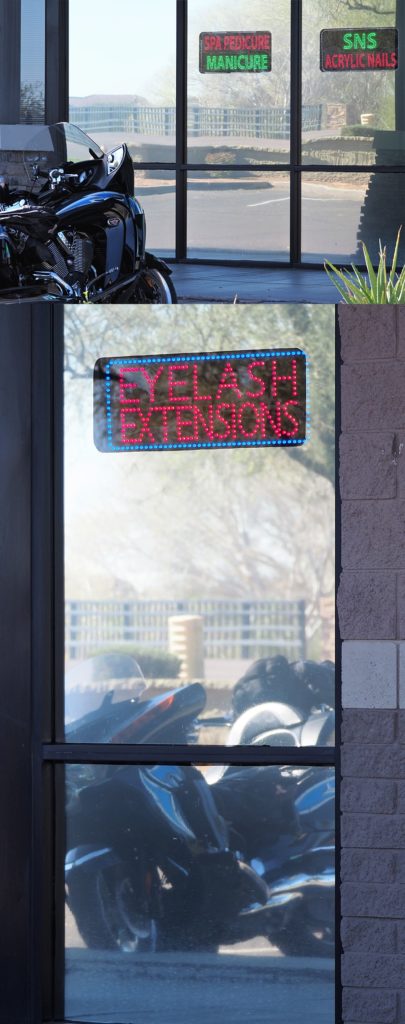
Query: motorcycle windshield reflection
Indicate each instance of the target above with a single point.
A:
(56, 145)
(114, 675)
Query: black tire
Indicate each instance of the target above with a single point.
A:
(308, 935)
(152, 287)
(109, 914)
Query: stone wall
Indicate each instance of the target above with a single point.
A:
(371, 606)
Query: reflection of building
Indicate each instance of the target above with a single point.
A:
(246, 167)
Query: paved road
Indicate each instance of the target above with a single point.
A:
(251, 987)
(254, 222)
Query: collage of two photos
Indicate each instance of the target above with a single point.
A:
(199, 508)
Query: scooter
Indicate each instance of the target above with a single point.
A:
(74, 231)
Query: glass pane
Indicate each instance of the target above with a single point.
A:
(239, 215)
(341, 210)
(123, 89)
(32, 61)
(156, 191)
(205, 576)
(240, 116)
(215, 886)
(362, 112)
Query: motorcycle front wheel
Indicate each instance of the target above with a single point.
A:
(110, 913)
(309, 934)
(151, 286)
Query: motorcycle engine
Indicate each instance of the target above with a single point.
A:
(72, 257)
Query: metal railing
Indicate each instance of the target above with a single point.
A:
(232, 628)
(249, 122)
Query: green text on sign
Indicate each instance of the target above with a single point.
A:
(368, 49)
(235, 51)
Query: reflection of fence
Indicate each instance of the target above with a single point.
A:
(232, 629)
(260, 123)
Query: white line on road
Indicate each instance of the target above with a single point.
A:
(268, 201)
(305, 199)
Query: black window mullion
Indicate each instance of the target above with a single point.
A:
(181, 129)
(56, 61)
(177, 753)
(295, 131)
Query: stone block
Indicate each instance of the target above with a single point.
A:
(401, 331)
(368, 866)
(377, 796)
(373, 831)
(367, 605)
(400, 448)
(372, 534)
(372, 395)
(367, 725)
(400, 866)
(402, 675)
(363, 935)
(401, 796)
(367, 336)
(359, 899)
(376, 1007)
(372, 761)
(368, 465)
(373, 971)
(401, 936)
(369, 674)
(401, 726)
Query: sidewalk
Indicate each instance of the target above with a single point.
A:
(202, 283)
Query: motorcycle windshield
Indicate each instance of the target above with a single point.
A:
(56, 145)
(115, 675)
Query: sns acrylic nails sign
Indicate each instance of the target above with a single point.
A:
(348, 49)
(194, 401)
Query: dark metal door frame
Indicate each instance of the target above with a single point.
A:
(32, 672)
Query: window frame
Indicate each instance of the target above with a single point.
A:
(32, 654)
(182, 167)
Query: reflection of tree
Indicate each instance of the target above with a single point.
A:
(32, 108)
(202, 328)
(251, 523)
(375, 6)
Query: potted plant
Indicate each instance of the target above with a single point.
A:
(379, 286)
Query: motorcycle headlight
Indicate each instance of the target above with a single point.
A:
(115, 158)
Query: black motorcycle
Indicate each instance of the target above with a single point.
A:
(293, 853)
(160, 859)
(149, 864)
(71, 229)
(281, 703)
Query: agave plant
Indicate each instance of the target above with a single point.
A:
(379, 286)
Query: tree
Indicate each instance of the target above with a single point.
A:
(250, 523)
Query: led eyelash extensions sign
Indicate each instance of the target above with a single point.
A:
(220, 400)
(235, 51)
(369, 49)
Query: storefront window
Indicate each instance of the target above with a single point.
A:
(199, 622)
(197, 565)
(239, 117)
(32, 61)
(215, 90)
(124, 89)
(184, 933)
(363, 110)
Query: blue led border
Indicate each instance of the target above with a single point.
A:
(196, 357)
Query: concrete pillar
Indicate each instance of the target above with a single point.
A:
(186, 640)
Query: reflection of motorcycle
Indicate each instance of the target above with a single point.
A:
(149, 863)
(79, 236)
(282, 704)
(159, 859)
(297, 863)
